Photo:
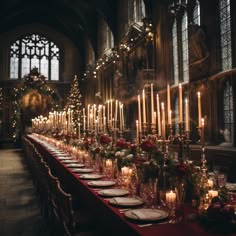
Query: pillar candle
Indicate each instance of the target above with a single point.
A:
(180, 104)
(199, 109)
(108, 163)
(213, 193)
(170, 197)
(210, 183)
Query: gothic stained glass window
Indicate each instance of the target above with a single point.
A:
(175, 53)
(228, 113)
(185, 48)
(196, 13)
(34, 51)
(225, 31)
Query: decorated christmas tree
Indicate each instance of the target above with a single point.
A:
(74, 104)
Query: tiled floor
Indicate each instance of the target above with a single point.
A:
(19, 207)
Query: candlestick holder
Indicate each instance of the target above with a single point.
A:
(187, 142)
(153, 128)
(181, 142)
(171, 136)
(203, 183)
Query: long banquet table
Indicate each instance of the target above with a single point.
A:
(108, 217)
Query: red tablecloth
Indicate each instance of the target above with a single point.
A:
(107, 216)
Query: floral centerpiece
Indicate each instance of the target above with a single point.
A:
(219, 217)
(107, 150)
(147, 161)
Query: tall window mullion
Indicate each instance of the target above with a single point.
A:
(228, 113)
(196, 13)
(225, 34)
(185, 56)
(175, 53)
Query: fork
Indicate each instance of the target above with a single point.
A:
(160, 223)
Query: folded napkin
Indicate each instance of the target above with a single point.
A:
(144, 214)
(125, 200)
(231, 186)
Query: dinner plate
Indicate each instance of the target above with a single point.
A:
(231, 186)
(64, 158)
(75, 165)
(83, 170)
(114, 192)
(146, 214)
(126, 201)
(91, 176)
(68, 161)
(101, 183)
(60, 154)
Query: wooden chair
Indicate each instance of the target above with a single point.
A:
(72, 221)
(52, 183)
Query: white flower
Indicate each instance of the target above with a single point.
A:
(117, 154)
(130, 156)
(122, 153)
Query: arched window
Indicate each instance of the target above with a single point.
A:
(175, 53)
(228, 113)
(34, 51)
(196, 13)
(185, 56)
(136, 11)
(225, 34)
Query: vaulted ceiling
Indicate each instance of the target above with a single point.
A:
(77, 19)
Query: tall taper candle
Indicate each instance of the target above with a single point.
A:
(199, 110)
(139, 114)
(152, 105)
(88, 111)
(108, 112)
(168, 104)
(84, 125)
(186, 115)
(163, 121)
(180, 104)
(137, 132)
(144, 108)
(158, 116)
(116, 111)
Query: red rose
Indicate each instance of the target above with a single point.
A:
(122, 144)
(97, 150)
(182, 170)
(147, 146)
(105, 139)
